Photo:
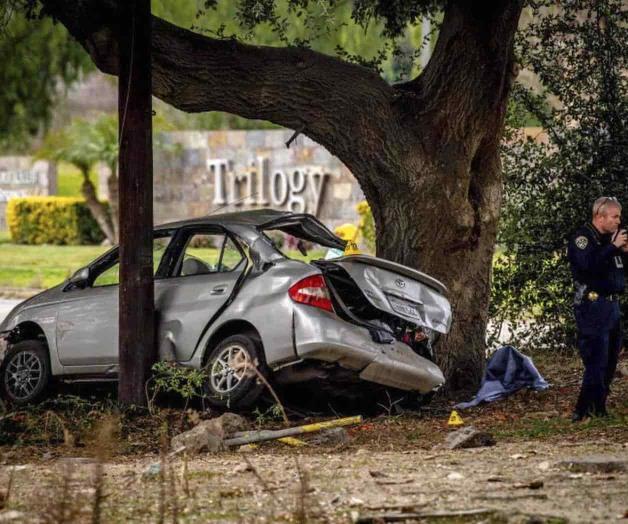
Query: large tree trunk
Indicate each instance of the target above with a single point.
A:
(455, 244)
(96, 208)
(425, 152)
(442, 217)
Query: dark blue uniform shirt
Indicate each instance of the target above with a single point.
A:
(596, 264)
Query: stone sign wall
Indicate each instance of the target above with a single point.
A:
(198, 173)
(20, 176)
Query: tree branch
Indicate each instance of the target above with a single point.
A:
(466, 82)
(336, 103)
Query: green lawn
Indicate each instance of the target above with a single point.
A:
(41, 266)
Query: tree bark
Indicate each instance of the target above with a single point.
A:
(424, 152)
(96, 208)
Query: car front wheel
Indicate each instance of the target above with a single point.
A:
(234, 367)
(25, 372)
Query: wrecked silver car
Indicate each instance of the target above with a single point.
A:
(227, 300)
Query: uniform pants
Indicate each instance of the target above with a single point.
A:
(599, 344)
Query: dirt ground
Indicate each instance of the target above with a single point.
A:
(389, 471)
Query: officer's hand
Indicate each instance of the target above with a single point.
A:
(620, 238)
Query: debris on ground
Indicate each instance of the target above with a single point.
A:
(152, 470)
(507, 371)
(596, 464)
(535, 484)
(469, 437)
(405, 516)
(247, 448)
(330, 437)
(292, 441)
(199, 438)
(208, 435)
(248, 437)
(228, 430)
(11, 515)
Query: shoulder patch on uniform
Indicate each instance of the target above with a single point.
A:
(582, 242)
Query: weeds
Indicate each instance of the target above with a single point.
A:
(60, 503)
(301, 507)
(168, 377)
(264, 417)
(105, 442)
(5, 496)
(270, 389)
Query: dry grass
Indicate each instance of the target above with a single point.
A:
(280, 483)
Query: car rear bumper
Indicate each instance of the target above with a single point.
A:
(323, 336)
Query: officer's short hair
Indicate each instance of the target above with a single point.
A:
(600, 205)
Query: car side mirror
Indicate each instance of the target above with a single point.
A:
(80, 278)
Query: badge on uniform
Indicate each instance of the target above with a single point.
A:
(593, 296)
(582, 242)
(619, 262)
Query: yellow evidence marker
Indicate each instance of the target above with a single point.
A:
(455, 419)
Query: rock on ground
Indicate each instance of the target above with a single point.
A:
(208, 435)
(468, 437)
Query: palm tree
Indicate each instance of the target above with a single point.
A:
(105, 147)
(78, 146)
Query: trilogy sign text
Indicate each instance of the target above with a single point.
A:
(298, 189)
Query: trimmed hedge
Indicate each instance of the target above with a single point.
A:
(51, 220)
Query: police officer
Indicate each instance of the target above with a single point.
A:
(598, 257)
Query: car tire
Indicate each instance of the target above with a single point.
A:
(25, 372)
(235, 385)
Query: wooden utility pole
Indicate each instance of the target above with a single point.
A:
(136, 321)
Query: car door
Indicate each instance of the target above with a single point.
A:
(87, 321)
(202, 280)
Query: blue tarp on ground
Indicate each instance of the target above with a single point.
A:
(507, 371)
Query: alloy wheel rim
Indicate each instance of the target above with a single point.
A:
(23, 374)
(229, 369)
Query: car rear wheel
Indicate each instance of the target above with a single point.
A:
(25, 372)
(233, 369)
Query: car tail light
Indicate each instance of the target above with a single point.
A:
(312, 291)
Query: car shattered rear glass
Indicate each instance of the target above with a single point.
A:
(295, 248)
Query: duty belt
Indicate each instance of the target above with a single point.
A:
(594, 295)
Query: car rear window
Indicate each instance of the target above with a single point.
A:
(294, 247)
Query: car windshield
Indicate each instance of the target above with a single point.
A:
(294, 247)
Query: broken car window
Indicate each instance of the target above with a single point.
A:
(111, 275)
(293, 247)
(209, 253)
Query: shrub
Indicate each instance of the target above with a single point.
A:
(579, 54)
(51, 220)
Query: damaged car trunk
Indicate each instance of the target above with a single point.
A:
(392, 302)
(400, 311)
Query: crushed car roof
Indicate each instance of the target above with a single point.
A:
(255, 217)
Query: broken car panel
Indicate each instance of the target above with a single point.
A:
(228, 299)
